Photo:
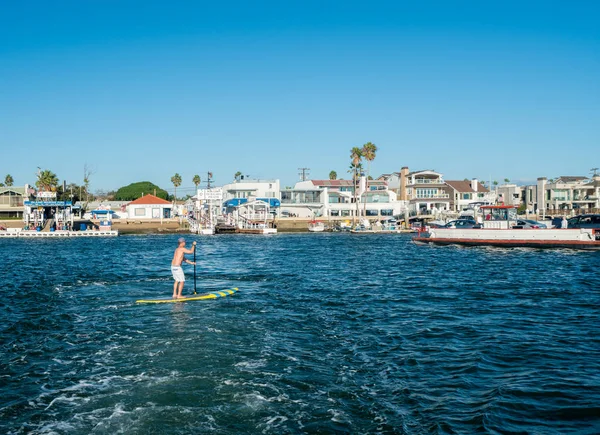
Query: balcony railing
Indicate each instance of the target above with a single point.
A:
(427, 181)
(433, 196)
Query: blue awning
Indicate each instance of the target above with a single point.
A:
(273, 202)
(234, 202)
(102, 212)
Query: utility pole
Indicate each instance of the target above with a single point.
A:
(209, 179)
(594, 171)
(303, 173)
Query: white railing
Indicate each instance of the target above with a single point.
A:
(433, 196)
(427, 181)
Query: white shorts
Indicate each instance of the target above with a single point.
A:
(177, 272)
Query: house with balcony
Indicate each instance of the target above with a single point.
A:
(568, 195)
(464, 193)
(425, 192)
(335, 199)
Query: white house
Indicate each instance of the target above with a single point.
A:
(241, 190)
(149, 207)
(335, 198)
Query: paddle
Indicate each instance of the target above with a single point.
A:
(195, 268)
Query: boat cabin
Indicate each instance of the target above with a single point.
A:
(497, 216)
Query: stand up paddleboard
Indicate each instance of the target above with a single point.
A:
(201, 297)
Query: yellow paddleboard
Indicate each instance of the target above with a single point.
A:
(202, 297)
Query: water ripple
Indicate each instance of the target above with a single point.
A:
(330, 333)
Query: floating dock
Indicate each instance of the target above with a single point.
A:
(15, 232)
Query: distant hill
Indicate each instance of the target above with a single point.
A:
(137, 190)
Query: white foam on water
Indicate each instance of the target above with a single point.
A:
(218, 331)
(338, 416)
(276, 421)
(251, 365)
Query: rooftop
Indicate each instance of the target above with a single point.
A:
(149, 200)
(465, 186)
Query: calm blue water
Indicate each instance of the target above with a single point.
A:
(330, 333)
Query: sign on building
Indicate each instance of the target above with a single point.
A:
(46, 195)
(215, 194)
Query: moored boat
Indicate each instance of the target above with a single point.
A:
(500, 229)
(316, 226)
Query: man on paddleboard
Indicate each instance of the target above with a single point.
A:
(176, 269)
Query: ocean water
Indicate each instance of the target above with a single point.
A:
(329, 333)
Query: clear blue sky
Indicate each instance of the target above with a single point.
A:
(143, 89)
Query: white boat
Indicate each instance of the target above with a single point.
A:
(500, 229)
(316, 226)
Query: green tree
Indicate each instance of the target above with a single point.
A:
(355, 158)
(136, 190)
(237, 175)
(506, 180)
(8, 180)
(47, 180)
(176, 180)
(369, 151)
(333, 175)
(196, 180)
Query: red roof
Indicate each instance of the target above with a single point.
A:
(149, 200)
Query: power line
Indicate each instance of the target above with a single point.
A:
(303, 173)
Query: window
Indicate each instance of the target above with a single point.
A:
(372, 212)
(387, 212)
(334, 212)
(345, 212)
(466, 196)
(140, 212)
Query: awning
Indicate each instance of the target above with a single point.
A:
(234, 202)
(102, 212)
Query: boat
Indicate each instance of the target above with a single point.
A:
(364, 227)
(316, 226)
(499, 228)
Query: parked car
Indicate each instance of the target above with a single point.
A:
(585, 221)
(536, 224)
(462, 223)
(530, 223)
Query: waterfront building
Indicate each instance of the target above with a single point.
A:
(567, 195)
(243, 189)
(392, 180)
(12, 199)
(425, 192)
(44, 211)
(149, 207)
(464, 193)
(335, 198)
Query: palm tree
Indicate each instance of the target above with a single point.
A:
(333, 175)
(176, 180)
(47, 180)
(369, 151)
(8, 180)
(196, 180)
(356, 158)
